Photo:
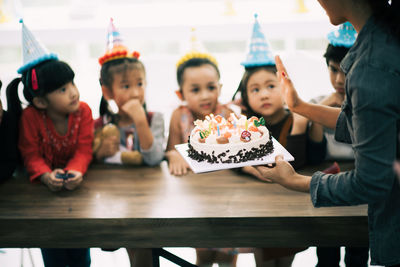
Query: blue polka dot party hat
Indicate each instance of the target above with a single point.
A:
(344, 36)
(259, 53)
(33, 51)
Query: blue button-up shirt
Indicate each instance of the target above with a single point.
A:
(370, 122)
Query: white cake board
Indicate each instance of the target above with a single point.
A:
(199, 167)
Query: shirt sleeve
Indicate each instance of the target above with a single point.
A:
(83, 154)
(28, 144)
(155, 154)
(374, 95)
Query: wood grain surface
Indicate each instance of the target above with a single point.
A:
(148, 207)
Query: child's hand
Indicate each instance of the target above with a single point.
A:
(253, 171)
(288, 91)
(73, 182)
(108, 147)
(177, 165)
(333, 100)
(52, 182)
(134, 109)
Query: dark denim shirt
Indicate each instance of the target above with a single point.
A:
(369, 120)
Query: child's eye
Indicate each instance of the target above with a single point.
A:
(255, 90)
(125, 86)
(62, 90)
(333, 69)
(195, 90)
(212, 87)
(140, 84)
(271, 86)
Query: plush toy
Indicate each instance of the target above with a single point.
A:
(123, 156)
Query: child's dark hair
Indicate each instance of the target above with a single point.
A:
(387, 14)
(38, 81)
(335, 53)
(242, 89)
(194, 62)
(107, 72)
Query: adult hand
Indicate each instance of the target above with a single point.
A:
(52, 182)
(284, 174)
(254, 172)
(177, 165)
(288, 91)
(73, 182)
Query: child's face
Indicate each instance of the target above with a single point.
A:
(336, 76)
(64, 100)
(264, 93)
(128, 85)
(200, 88)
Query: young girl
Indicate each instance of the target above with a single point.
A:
(261, 96)
(56, 131)
(198, 79)
(123, 79)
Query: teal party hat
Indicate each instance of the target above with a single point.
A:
(33, 51)
(259, 53)
(344, 36)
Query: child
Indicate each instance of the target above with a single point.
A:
(340, 41)
(198, 79)
(8, 143)
(56, 130)
(123, 79)
(261, 96)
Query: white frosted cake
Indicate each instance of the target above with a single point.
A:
(217, 140)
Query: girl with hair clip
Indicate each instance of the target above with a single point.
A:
(139, 134)
(261, 96)
(55, 130)
(369, 119)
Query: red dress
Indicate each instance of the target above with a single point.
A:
(43, 149)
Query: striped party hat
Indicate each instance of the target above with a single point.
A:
(259, 53)
(344, 36)
(33, 51)
(115, 47)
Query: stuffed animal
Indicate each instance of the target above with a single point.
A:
(123, 156)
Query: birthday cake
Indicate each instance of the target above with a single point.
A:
(232, 140)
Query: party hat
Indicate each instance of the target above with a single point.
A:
(32, 50)
(115, 48)
(259, 53)
(345, 35)
(196, 50)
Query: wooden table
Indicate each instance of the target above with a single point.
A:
(147, 207)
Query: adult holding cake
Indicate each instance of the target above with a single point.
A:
(369, 119)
